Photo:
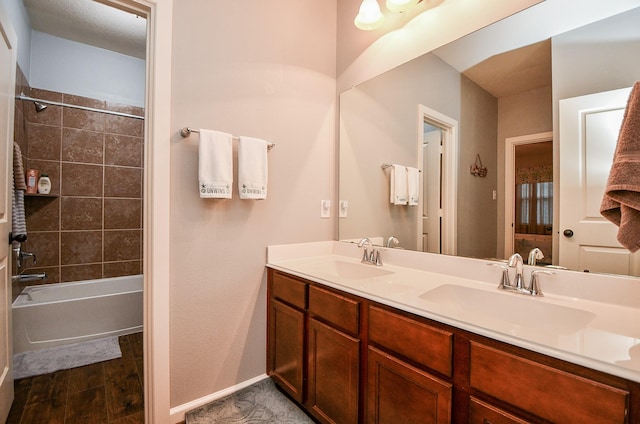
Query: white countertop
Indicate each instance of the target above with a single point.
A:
(587, 319)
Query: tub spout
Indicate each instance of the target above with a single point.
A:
(28, 277)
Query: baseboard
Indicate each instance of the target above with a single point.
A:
(178, 413)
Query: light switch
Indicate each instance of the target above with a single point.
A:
(325, 208)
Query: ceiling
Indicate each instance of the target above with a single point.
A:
(90, 22)
(514, 72)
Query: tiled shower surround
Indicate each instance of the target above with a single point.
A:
(90, 226)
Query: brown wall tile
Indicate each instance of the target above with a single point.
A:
(131, 110)
(80, 247)
(122, 182)
(43, 141)
(123, 214)
(82, 146)
(45, 245)
(118, 269)
(69, 145)
(81, 180)
(122, 150)
(72, 99)
(81, 213)
(42, 213)
(80, 272)
(83, 119)
(124, 125)
(122, 245)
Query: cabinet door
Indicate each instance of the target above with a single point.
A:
(333, 363)
(483, 413)
(286, 348)
(400, 393)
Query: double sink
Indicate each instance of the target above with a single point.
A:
(603, 335)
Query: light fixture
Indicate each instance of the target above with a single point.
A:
(369, 17)
(400, 5)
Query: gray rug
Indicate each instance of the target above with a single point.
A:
(45, 361)
(259, 403)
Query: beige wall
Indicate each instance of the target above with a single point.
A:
(476, 207)
(263, 69)
(522, 114)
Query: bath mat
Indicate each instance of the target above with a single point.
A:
(261, 402)
(45, 361)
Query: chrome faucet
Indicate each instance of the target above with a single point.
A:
(534, 255)
(21, 256)
(515, 261)
(372, 257)
(392, 240)
(534, 285)
(25, 278)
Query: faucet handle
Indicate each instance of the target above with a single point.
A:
(505, 282)
(376, 257)
(534, 285)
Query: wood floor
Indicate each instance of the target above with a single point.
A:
(109, 392)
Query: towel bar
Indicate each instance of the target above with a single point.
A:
(186, 132)
(388, 165)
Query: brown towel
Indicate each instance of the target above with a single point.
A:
(621, 201)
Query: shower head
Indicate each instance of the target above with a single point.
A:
(39, 106)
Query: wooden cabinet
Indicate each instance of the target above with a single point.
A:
(484, 413)
(286, 333)
(313, 349)
(400, 393)
(346, 359)
(333, 365)
(546, 392)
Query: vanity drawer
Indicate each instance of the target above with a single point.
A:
(289, 290)
(336, 309)
(414, 340)
(549, 393)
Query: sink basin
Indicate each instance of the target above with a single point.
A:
(347, 270)
(512, 312)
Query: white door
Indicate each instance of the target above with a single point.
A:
(431, 187)
(7, 99)
(589, 127)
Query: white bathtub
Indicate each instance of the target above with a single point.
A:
(56, 314)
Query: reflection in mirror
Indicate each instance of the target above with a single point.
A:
(503, 95)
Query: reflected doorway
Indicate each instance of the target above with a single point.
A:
(438, 157)
(529, 195)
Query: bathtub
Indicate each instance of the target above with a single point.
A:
(56, 314)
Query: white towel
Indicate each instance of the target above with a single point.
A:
(215, 164)
(398, 185)
(252, 168)
(413, 185)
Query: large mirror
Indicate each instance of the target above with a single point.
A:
(481, 119)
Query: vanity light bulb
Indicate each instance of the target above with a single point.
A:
(400, 5)
(369, 17)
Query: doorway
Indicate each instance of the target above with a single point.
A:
(438, 157)
(529, 195)
(138, 340)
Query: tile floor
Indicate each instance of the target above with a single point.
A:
(109, 392)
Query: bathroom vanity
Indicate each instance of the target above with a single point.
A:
(399, 343)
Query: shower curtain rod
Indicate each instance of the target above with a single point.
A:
(91, 109)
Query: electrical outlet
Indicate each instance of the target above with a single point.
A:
(344, 205)
(325, 208)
